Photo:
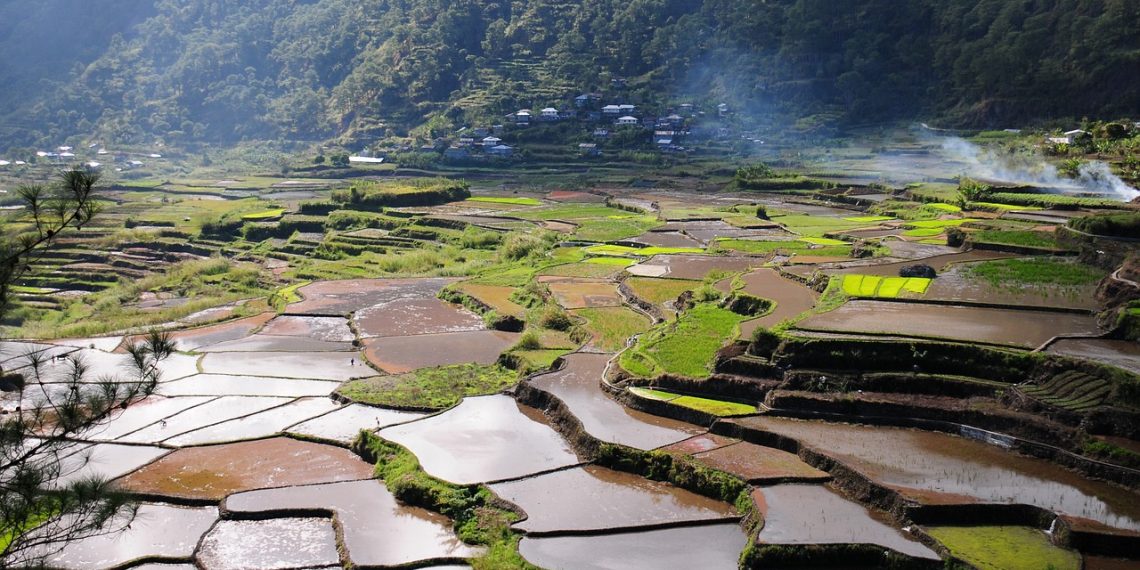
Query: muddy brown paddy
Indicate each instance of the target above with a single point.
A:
(216, 471)
(349, 295)
(939, 468)
(414, 317)
(1122, 353)
(791, 297)
(1026, 328)
(396, 355)
(692, 266)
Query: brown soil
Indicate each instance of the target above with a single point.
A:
(216, 471)
(396, 355)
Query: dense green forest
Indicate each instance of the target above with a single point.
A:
(353, 70)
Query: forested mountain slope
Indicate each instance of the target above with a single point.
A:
(224, 70)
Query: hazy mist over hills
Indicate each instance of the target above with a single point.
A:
(226, 70)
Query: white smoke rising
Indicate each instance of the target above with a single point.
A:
(1093, 176)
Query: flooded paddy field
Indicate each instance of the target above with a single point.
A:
(667, 239)
(327, 329)
(756, 464)
(193, 339)
(596, 498)
(479, 440)
(692, 266)
(792, 298)
(307, 542)
(815, 514)
(937, 468)
(1122, 353)
(306, 365)
(227, 384)
(269, 343)
(106, 461)
(1024, 328)
(377, 531)
(407, 317)
(399, 354)
(342, 425)
(261, 424)
(577, 384)
(158, 530)
(711, 547)
(212, 472)
(350, 295)
(201, 415)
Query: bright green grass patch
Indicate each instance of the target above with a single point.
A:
(686, 346)
(815, 226)
(612, 326)
(571, 212)
(286, 295)
(1005, 548)
(641, 251)
(868, 219)
(823, 241)
(30, 290)
(659, 291)
(939, 224)
(1035, 271)
(538, 359)
(506, 200)
(613, 228)
(942, 207)
(264, 215)
(924, 232)
(429, 388)
(707, 405)
(603, 260)
(1027, 238)
(997, 206)
(782, 247)
(885, 287)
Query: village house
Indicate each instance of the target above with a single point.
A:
(456, 153)
(609, 110)
(687, 109)
(588, 149)
(549, 114)
(627, 109)
(501, 150)
(627, 121)
(466, 141)
(496, 130)
(522, 117)
(600, 133)
(586, 100)
(489, 142)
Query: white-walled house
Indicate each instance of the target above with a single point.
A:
(627, 120)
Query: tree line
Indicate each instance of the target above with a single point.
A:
(227, 70)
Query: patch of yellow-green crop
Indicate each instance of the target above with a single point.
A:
(1005, 548)
(264, 215)
(707, 405)
(943, 207)
(603, 260)
(686, 346)
(868, 219)
(883, 287)
(823, 241)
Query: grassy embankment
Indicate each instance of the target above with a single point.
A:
(430, 388)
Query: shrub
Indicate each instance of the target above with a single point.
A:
(556, 319)
(529, 341)
(918, 270)
(764, 342)
(1126, 225)
(955, 237)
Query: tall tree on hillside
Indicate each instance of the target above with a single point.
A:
(45, 500)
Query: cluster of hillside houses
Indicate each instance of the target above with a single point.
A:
(667, 131)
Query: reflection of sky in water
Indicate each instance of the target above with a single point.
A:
(483, 439)
(953, 465)
(813, 514)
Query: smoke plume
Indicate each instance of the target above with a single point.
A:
(1093, 176)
